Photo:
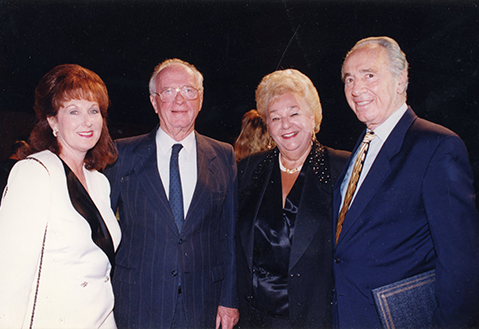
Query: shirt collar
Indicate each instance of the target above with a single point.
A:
(387, 126)
(165, 142)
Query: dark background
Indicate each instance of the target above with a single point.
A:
(234, 44)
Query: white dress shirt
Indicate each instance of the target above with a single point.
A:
(187, 162)
(382, 133)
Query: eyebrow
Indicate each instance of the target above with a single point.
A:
(288, 108)
(360, 71)
(368, 70)
(167, 87)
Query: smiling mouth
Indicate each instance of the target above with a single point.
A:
(363, 103)
(290, 135)
(86, 134)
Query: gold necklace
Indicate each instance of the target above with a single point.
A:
(286, 170)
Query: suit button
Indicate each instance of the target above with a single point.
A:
(174, 273)
(180, 241)
(337, 260)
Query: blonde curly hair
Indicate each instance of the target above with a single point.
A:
(289, 81)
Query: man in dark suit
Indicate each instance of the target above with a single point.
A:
(413, 209)
(175, 271)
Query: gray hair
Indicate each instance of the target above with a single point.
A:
(397, 58)
(170, 62)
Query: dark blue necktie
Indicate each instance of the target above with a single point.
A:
(176, 193)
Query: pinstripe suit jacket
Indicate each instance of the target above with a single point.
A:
(153, 252)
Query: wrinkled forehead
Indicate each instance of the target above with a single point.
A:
(368, 58)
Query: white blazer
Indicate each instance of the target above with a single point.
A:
(75, 289)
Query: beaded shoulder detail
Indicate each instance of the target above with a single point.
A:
(268, 159)
(316, 160)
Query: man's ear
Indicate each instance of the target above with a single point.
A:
(154, 103)
(201, 100)
(402, 82)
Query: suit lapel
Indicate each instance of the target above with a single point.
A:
(378, 173)
(205, 167)
(314, 206)
(145, 165)
(251, 198)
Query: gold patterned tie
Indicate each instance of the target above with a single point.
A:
(353, 181)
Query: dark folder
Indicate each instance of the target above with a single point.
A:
(409, 303)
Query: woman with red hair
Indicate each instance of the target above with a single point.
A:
(58, 234)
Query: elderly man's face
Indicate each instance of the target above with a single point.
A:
(373, 93)
(177, 118)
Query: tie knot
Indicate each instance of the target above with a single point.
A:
(369, 137)
(176, 148)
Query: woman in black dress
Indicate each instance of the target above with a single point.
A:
(285, 241)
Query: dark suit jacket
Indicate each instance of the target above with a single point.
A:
(310, 281)
(153, 253)
(414, 212)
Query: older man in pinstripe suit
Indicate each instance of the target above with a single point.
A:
(175, 274)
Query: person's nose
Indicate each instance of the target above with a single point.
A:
(357, 88)
(285, 122)
(87, 120)
(179, 99)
